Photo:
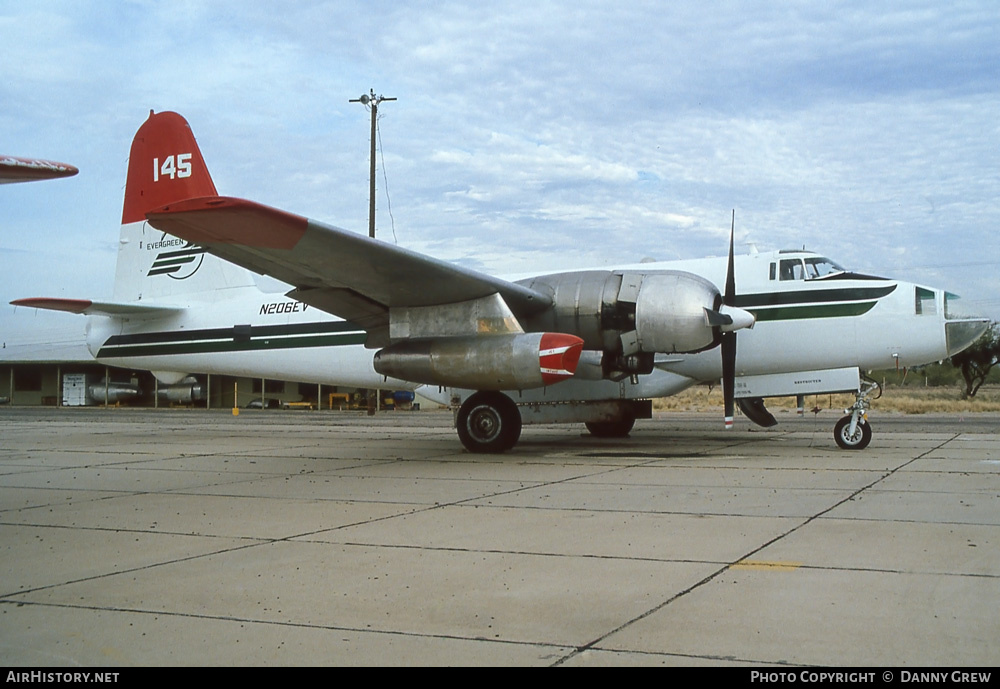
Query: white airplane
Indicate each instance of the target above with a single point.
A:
(584, 346)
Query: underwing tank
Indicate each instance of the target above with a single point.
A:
(519, 361)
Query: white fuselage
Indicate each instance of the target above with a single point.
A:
(832, 321)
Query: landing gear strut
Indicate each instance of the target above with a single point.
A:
(853, 432)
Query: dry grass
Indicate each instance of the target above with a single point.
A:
(906, 400)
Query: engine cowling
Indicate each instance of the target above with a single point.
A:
(631, 312)
(670, 313)
(519, 361)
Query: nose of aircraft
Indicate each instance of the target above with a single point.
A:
(960, 334)
(961, 328)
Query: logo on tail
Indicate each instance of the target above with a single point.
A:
(177, 264)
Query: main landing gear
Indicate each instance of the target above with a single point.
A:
(853, 432)
(488, 422)
(611, 429)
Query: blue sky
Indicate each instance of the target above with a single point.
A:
(526, 135)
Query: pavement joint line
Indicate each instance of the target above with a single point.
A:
(299, 625)
(129, 570)
(714, 575)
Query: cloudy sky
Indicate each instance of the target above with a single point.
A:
(526, 135)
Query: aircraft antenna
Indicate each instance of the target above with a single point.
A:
(371, 101)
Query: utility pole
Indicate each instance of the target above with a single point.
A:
(372, 101)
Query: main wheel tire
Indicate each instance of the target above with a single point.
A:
(611, 429)
(489, 422)
(859, 441)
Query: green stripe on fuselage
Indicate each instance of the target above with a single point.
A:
(219, 346)
(241, 332)
(799, 304)
(790, 313)
(813, 296)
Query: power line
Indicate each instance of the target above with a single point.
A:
(385, 185)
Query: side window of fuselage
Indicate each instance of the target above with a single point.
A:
(791, 269)
(925, 302)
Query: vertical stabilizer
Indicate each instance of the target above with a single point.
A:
(165, 166)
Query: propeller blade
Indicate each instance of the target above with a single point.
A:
(729, 375)
(729, 337)
(729, 298)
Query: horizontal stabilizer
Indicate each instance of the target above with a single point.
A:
(88, 307)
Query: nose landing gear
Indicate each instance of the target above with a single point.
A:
(853, 432)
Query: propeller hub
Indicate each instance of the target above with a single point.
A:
(739, 318)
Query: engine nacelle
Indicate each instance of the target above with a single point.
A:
(670, 312)
(626, 313)
(518, 361)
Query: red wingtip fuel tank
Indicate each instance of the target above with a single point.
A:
(496, 362)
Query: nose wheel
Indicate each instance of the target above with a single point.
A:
(854, 436)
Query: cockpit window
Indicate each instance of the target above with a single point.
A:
(809, 269)
(953, 309)
(820, 267)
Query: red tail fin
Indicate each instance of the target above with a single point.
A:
(164, 166)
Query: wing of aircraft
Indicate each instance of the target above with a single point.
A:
(344, 273)
(14, 169)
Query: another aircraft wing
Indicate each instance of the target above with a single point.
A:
(14, 169)
(343, 273)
